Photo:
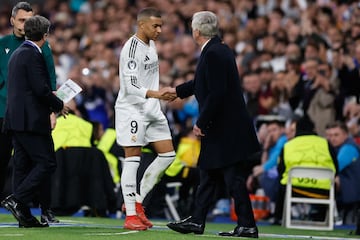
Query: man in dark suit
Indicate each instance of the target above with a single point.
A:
(29, 104)
(227, 134)
(8, 44)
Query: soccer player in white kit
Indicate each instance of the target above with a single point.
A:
(138, 116)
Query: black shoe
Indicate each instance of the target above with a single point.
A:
(242, 232)
(47, 216)
(186, 226)
(17, 209)
(21, 212)
(33, 223)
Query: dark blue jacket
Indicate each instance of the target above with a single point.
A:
(230, 136)
(30, 99)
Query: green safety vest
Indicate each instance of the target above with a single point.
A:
(187, 155)
(307, 151)
(72, 132)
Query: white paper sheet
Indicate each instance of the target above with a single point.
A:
(68, 90)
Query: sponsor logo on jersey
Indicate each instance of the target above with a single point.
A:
(151, 66)
(7, 50)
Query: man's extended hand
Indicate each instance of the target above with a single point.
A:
(168, 93)
(53, 120)
(197, 131)
(65, 111)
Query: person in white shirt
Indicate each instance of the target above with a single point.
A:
(138, 116)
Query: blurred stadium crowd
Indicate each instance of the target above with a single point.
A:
(279, 46)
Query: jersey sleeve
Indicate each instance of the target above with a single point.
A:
(130, 67)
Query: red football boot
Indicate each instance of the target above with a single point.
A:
(141, 214)
(134, 223)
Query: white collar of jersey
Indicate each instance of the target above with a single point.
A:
(147, 44)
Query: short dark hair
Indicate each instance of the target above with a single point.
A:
(337, 124)
(35, 27)
(21, 6)
(147, 13)
(304, 124)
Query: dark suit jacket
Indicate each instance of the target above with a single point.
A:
(229, 132)
(30, 99)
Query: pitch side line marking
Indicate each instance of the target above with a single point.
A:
(11, 235)
(110, 234)
(304, 237)
(74, 224)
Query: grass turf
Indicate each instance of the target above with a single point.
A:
(81, 228)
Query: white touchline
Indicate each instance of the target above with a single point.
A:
(11, 235)
(109, 234)
(304, 236)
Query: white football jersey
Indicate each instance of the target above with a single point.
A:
(138, 72)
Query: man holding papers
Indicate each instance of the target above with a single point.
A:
(29, 104)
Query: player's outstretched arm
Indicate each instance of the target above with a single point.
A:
(166, 93)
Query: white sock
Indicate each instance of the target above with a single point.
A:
(128, 183)
(153, 173)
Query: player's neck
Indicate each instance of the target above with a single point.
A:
(143, 38)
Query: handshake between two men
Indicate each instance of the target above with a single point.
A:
(166, 93)
(169, 94)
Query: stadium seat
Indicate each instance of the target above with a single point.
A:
(316, 174)
(171, 200)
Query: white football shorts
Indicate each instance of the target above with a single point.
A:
(135, 130)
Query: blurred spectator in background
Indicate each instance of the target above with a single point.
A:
(310, 84)
(266, 96)
(266, 171)
(282, 90)
(251, 86)
(349, 79)
(348, 156)
(321, 109)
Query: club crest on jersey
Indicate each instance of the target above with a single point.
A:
(131, 65)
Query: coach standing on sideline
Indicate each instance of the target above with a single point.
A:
(29, 104)
(227, 134)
